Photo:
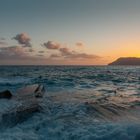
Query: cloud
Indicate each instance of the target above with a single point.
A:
(12, 52)
(2, 38)
(23, 39)
(79, 44)
(52, 45)
(65, 51)
(41, 55)
(83, 56)
(40, 51)
(30, 50)
(3, 43)
(55, 56)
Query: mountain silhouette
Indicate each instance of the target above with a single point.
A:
(126, 61)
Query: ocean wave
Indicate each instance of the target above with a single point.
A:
(14, 80)
(62, 117)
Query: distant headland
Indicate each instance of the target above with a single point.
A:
(126, 61)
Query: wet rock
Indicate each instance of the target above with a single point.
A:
(30, 92)
(5, 94)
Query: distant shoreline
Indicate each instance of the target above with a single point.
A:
(126, 61)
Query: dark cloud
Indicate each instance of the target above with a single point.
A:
(23, 39)
(52, 45)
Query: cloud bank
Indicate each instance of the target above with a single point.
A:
(25, 53)
(13, 52)
(66, 52)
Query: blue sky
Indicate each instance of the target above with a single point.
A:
(101, 25)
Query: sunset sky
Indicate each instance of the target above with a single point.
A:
(82, 32)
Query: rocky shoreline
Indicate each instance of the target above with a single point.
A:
(94, 105)
(19, 106)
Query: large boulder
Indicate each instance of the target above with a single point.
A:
(5, 94)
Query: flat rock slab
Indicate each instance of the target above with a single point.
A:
(21, 105)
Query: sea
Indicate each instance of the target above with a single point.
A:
(59, 120)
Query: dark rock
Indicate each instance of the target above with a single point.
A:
(5, 94)
(39, 91)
